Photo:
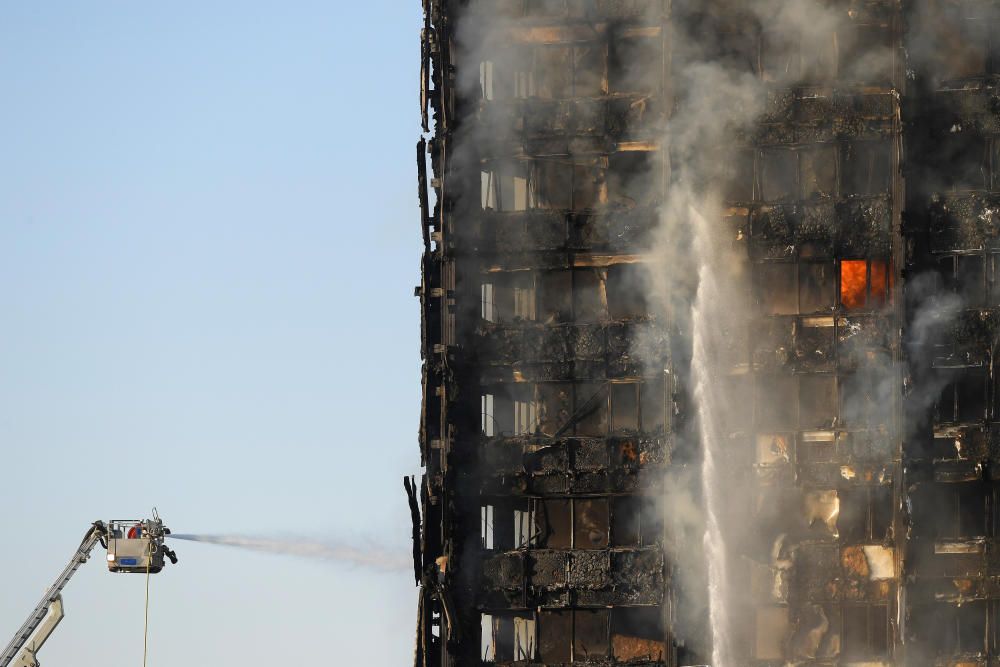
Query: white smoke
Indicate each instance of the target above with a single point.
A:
(366, 555)
(718, 104)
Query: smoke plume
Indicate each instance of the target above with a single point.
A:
(368, 555)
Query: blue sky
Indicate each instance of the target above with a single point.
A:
(208, 247)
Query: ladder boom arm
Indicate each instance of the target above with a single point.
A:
(97, 533)
(28, 656)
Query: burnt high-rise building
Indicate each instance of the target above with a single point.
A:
(710, 294)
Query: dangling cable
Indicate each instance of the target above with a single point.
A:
(145, 629)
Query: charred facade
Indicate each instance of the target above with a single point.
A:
(851, 182)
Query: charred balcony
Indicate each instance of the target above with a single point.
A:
(517, 234)
(534, 352)
(541, 466)
(574, 578)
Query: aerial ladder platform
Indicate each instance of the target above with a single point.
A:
(133, 546)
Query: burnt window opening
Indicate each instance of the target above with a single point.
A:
(591, 409)
(952, 511)
(553, 519)
(819, 54)
(994, 629)
(578, 635)
(508, 637)
(487, 302)
(487, 415)
(779, 56)
(818, 172)
(627, 286)
(772, 449)
(624, 406)
(486, 83)
(736, 49)
(553, 523)
(626, 521)
(779, 174)
(776, 402)
(553, 71)
(821, 509)
(620, 407)
(589, 63)
(967, 157)
(967, 627)
(739, 416)
(637, 633)
(560, 71)
(994, 148)
(590, 190)
(623, 74)
(507, 186)
(636, 521)
(943, 448)
(508, 74)
(968, 45)
(554, 297)
(591, 523)
(789, 288)
(507, 297)
(567, 184)
(633, 178)
(817, 287)
(863, 403)
(993, 280)
(771, 629)
(818, 401)
(736, 177)
(506, 523)
(864, 283)
(787, 57)
(590, 634)
(965, 275)
(525, 529)
(561, 183)
(865, 53)
(509, 410)
(865, 630)
(555, 406)
(776, 286)
(555, 632)
(865, 513)
(522, 81)
(816, 447)
(554, 184)
(654, 401)
(963, 400)
(589, 295)
(867, 167)
(487, 527)
(994, 513)
(948, 629)
(448, 334)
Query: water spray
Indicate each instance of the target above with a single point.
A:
(369, 556)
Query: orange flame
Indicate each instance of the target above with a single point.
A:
(853, 281)
(858, 289)
(879, 280)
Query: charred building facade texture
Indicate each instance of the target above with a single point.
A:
(710, 293)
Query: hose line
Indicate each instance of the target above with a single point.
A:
(145, 629)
